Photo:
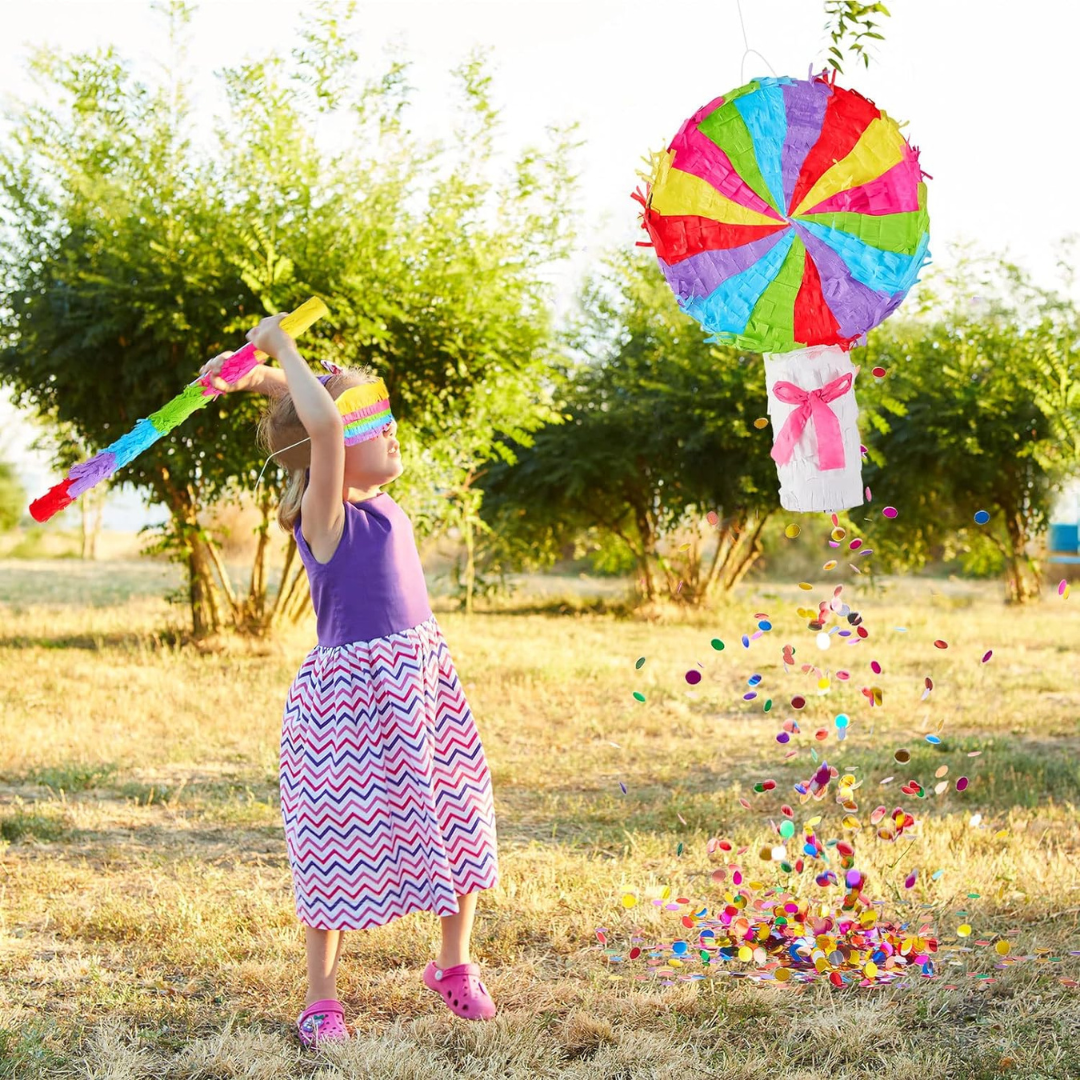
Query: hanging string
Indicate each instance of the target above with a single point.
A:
(749, 51)
(267, 461)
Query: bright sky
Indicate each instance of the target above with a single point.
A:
(985, 94)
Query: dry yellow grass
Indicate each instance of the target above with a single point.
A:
(147, 923)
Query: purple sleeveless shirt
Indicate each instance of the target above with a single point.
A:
(373, 584)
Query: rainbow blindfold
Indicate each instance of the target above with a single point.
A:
(365, 411)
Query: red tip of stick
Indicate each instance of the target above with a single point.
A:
(52, 502)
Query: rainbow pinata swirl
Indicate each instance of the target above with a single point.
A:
(788, 213)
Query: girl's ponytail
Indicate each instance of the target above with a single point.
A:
(283, 436)
(289, 507)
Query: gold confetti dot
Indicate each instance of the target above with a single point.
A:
(761, 422)
(792, 531)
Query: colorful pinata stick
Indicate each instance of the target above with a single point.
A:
(147, 431)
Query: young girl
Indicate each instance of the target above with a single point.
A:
(385, 790)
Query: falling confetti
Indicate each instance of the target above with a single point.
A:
(762, 929)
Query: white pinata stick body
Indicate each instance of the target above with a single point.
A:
(815, 429)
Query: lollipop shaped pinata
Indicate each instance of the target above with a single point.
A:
(789, 217)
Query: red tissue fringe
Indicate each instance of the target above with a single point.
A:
(52, 502)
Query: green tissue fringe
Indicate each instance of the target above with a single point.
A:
(175, 412)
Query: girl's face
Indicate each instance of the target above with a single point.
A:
(374, 461)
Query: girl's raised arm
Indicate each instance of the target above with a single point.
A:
(323, 507)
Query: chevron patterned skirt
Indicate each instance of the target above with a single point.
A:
(385, 791)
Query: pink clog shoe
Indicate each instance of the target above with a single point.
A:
(322, 1021)
(461, 990)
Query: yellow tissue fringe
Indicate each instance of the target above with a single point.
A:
(360, 397)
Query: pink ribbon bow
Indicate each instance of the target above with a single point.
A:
(813, 404)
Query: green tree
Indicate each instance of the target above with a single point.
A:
(658, 431)
(12, 497)
(852, 26)
(132, 252)
(979, 410)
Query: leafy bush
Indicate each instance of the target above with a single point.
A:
(12, 497)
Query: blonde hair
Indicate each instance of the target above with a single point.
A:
(280, 428)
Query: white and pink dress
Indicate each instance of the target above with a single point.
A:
(385, 790)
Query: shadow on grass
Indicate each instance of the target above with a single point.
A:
(129, 641)
(72, 776)
(38, 825)
(105, 779)
(164, 638)
(619, 607)
(1007, 773)
(1024, 773)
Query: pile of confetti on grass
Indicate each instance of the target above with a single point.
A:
(773, 935)
(786, 932)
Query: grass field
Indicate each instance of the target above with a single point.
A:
(146, 918)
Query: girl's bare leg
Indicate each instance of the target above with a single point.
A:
(456, 933)
(323, 954)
